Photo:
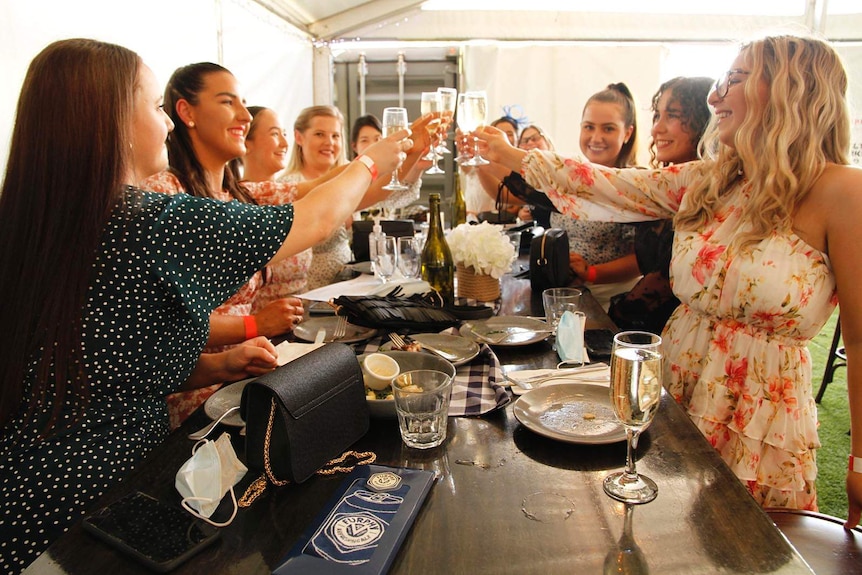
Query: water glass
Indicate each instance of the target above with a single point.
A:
(557, 301)
(422, 404)
(385, 258)
(409, 256)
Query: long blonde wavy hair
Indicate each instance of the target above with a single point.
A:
(783, 145)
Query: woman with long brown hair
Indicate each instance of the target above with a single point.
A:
(112, 286)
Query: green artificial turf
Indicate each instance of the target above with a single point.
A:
(834, 418)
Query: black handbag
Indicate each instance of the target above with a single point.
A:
(303, 414)
(392, 312)
(549, 261)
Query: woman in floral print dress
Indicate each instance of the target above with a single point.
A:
(760, 256)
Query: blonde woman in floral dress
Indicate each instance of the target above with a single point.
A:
(760, 256)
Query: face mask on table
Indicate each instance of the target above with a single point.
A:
(211, 471)
(570, 337)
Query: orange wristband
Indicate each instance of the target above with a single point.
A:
(368, 163)
(591, 274)
(250, 326)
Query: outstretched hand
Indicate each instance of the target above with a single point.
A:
(388, 152)
(279, 316)
(493, 145)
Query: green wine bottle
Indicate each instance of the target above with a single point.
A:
(459, 206)
(438, 267)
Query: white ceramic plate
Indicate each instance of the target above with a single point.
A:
(227, 397)
(514, 330)
(407, 361)
(308, 329)
(570, 412)
(462, 347)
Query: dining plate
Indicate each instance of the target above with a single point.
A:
(464, 349)
(407, 361)
(506, 330)
(226, 398)
(570, 412)
(307, 330)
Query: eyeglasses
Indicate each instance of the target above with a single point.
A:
(722, 85)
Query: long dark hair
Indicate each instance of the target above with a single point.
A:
(620, 94)
(185, 84)
(367, 121)
(69, 153)
(690, 94)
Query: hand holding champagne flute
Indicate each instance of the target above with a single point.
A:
(636, 372)
(394, 120)
(430, 103)
(448, 102)
(472, 114)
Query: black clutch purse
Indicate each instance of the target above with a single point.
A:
(303, 414)
(391, 312)
(549, 261)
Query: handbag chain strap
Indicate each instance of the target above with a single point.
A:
(333, 466)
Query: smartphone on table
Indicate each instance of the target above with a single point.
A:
(158, 535)
(599, 342)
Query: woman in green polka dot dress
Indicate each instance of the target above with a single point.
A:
(112, 286)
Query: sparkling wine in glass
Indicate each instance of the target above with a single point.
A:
(448, 103)
(636, 372)
(472, 114)
(394, 119)
(430, 104)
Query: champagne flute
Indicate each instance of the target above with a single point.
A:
(636, 371)
(386, 258)
(472, 113)
(463, 154)
(448, 102)
(394, 119)
(430, 104)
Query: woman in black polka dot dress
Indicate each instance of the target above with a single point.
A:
(108, 289)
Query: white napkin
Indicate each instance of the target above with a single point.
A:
(365, 285)
(288, 350)
(592, 374)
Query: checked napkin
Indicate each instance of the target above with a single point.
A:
(476, 388)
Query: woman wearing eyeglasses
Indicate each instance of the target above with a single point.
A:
(767, 235)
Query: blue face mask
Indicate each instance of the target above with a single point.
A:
(570, 337)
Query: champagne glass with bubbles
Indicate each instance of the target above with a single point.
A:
(472, 114)
(448, 103)
(394, 119)
(430, 104)
(636, 371)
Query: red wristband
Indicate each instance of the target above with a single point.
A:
(368, 163)
(250, 326)
(591, 274)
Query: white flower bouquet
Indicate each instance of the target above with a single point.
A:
(483, 247)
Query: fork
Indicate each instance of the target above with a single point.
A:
(400, 343)
(340, 328)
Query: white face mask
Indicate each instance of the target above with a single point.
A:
(570, 337)
(211, 471)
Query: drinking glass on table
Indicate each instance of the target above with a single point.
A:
(430, 104)
(386, 257)
(448, 103)
(472, 114)
(636, 373)
(422, 404)
(557, 301)
(394, 119)
(409, 256)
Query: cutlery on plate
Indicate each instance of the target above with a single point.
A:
(401, 343)
(535, 381)
(204, 431)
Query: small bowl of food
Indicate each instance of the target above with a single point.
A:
(378, 371)
(381, 403)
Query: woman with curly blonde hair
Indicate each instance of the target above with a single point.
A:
(760, 258)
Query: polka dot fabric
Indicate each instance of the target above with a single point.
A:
(165, 263)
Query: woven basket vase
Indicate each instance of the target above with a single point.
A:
(480, 287)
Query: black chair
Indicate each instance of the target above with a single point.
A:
(820, 539)
(362, 229)
(837, 358)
